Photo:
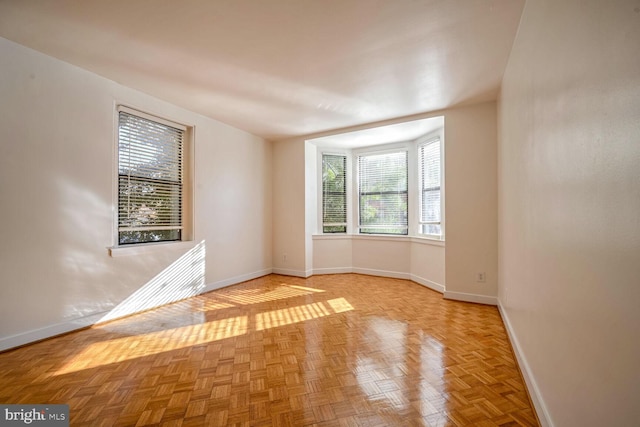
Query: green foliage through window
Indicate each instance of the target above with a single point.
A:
(149, 180)
(430, 187)
(334, 193)
(383, 193)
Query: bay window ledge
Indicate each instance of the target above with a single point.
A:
(381, 237)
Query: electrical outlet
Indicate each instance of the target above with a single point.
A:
(284, 257)
(481, 277)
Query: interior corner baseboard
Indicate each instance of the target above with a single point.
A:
(50, 331)
(428, 283)
(235, 280)
(480, 299)
(532, 386)
(336, 270)
(287, 272)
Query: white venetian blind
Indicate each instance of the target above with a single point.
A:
(334, 193)
(430, 170)
(383, 193)
(149, 180)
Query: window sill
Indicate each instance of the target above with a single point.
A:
(428, 240)
(147, 248)
(336, 236)
(381, 237)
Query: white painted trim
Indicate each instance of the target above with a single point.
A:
(29, 337)
(393, 274)
(334, 236)
(428, 283)
(380, 237)
(382, 273)
(336, 270)
(529, 379)
(287, 272)
(235, 280)
(480, 299)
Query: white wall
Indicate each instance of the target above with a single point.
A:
(569, 208)
(428, 264)
(289, 224)
(380, 255)
(57, 169)
(332, 254)
(471, 203)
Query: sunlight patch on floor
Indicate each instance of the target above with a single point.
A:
(300, 313)
(256, 296)
(126, 348)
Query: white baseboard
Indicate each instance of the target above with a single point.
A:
(382, 273)
(337, 270)
(365, 271)
(394, 274)
(295, 273)
(427, 283)
(480, 299)
(235, 280)
(532, 386)
(28, 337)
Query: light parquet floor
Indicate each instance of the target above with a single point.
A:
(335, 350)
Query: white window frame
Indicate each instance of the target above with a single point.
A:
(425, 140)
(347, 172)
(377, 150)
(186, 237)
(413, 172)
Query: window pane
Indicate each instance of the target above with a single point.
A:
(148, 202)
(383, 193)
(435, 229)
(334, 193)
(147, 236)
(430, 191)
(431, 205)
(149, 181)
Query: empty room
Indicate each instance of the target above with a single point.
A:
(320, 213)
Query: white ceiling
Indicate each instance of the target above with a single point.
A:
(399, 132)
(280, 68)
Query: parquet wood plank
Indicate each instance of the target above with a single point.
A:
(338, 350)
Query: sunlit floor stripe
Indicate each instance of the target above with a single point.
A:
(301, 313)
(120, 349)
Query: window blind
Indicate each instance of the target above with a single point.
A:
(383, 193)
(334, 193)
(430, 170)
(149, 180)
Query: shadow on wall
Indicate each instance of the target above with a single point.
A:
(184, 278)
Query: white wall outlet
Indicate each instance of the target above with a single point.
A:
(481, 277)
(284, 257)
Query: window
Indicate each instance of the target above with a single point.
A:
(387, 180)
(383, 193)
(334, 193)
(150, 178)
(430, 183)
